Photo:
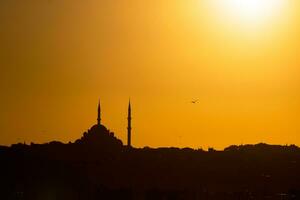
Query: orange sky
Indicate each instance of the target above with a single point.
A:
(59, 56)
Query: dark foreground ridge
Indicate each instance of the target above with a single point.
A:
(98, 166)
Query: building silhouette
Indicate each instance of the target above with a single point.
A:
(100, 128)
(99, 114)
(100, 138)
(129, 126)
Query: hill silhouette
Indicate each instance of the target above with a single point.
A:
(99, 166)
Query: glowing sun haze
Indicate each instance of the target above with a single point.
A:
(252, 16)
(240, 58)
(251, 11)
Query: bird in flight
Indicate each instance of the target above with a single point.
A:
(194, 101)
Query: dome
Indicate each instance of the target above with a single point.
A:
(98, 128)
(101, 137)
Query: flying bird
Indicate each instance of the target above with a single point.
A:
(194, 101)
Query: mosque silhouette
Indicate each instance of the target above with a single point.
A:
(101, 137)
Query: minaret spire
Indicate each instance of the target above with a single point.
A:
(99, 114)
(129, 126)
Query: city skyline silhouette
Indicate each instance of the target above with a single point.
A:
(98, 165)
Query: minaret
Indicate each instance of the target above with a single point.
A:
(99, 114)
(129, 126)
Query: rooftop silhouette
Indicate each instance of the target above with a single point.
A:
(100, 137)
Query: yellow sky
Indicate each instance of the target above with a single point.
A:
(58, 57)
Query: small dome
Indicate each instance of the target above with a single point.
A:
(98, 128)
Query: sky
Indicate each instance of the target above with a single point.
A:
(239, 59)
